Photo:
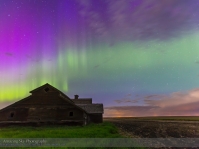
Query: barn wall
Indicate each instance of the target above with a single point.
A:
(46, 113)
(64, 114)
(42, 107)
(41, 114)
(96, 118)
(55, 113)
(14, 114)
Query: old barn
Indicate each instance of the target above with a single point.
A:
(46, 104)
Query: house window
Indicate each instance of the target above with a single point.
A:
(70, 113)
(46, 89)
(12, 114)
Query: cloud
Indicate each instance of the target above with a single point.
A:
(28, 56)
(154, 96)
(175, 104)
(126, 100)
(127, 108)
(8, 54)
(85, 2)
(149, 99)
(139, 19)
(197, 62)
(150, 96)
(122, 111)
(177, 98)
(96, 66)
(190, 109)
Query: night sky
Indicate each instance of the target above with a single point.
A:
(137, 57)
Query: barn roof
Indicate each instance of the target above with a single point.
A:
(82, 101)
(92, 108)
(84, 104)
(48, 85)
(75, 105)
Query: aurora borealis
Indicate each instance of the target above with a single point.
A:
(137, 57)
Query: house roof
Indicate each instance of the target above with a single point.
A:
(92, 108)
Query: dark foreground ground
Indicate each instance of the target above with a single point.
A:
(170, 127)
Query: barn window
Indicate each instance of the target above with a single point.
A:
(70, 113)
(12, 114)
(46, 89)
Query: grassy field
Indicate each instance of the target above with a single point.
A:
(103, 130)
(91, 131)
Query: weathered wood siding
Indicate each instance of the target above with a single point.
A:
(14, 114)
(96, 118)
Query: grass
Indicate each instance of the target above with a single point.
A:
(103, 130)
(91, 131)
